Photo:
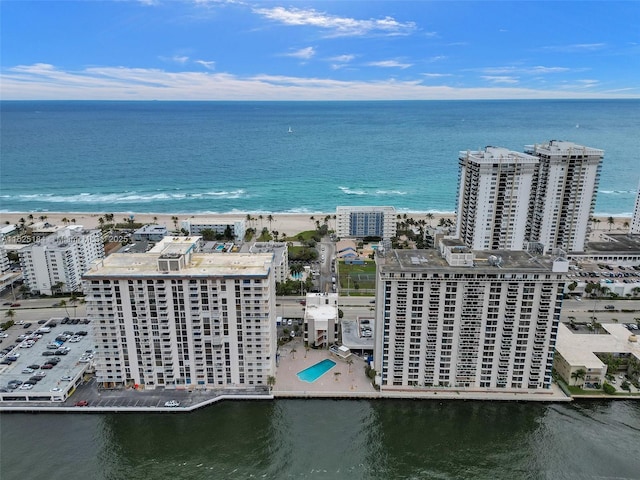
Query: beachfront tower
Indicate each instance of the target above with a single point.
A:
(565, 196)
(494, 193)
(176, 318)
(635, 221)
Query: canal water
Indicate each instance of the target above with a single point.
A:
(330, 439)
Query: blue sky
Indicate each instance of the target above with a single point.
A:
(319, 50)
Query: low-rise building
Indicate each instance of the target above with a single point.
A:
(150, 233)
(220, 226)
(577, 358)
(321, 319)
(280, 252)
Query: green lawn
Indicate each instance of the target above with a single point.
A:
(357, 277)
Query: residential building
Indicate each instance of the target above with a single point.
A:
(494, 192)
(56, 262)
(220, 226)
(584, 350)
(321, 319)
(459, 319)
(280, 252)
(150, 233)
(635, 220)
(360, 222)
(177, 318)
(565, 194)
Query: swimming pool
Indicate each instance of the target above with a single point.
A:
(314, 372)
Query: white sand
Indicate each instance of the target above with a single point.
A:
(289, 224)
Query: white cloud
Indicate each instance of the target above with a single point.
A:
(390, 64)
(181, 59)
(342, 58)
(500, 79)
(46, 82)
(512, 70)
(437, 75)
(576, 47)
(337, 26)
(209, 65)
(303, 53)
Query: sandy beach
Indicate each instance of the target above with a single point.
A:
(289, 224)
(283, 223)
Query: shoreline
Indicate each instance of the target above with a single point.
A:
(285, 223)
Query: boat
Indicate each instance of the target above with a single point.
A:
(290, 130)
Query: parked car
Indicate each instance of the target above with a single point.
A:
(609, 307)
(46, 366)
(172, 403)
(15, 304)
(81, 403)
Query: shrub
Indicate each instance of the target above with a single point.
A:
(608, 388)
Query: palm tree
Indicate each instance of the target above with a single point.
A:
(10, 314)
(429, 217)
(270, 220)
(349, 363)
(578, 375)
(63, 304)
(271, 381)
(293, 352)
(306, 350)
(175, 222)
(611, 221)
(625, 224)
(336, 375)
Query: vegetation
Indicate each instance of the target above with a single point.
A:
(609, 389)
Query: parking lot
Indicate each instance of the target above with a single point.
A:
(44, 360)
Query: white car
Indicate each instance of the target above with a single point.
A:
(172, 403)
(66, 378)
(4, 335)
(28, 370)
(26, 386)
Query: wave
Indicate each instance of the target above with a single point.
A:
(374, 193)
(618, 192)
(127, 197)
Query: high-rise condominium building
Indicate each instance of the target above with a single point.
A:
(493, 202)
(462, 319)
(177, 318)
(565, 194)
(56, 262)
(635, 221)
(360, 222)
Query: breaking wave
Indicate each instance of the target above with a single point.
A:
(373, 193)
(127, 197)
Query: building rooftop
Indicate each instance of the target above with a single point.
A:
(201, 264)
(556, 147)
(498, 155)
(580, 348)
(615, 243)
(494, 261)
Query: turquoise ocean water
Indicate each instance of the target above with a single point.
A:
(240, 157)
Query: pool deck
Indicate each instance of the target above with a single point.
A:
(351, 380)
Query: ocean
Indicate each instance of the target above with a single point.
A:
(238, 157)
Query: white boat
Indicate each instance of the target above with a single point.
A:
(290, 130)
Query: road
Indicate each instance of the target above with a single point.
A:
(582, 311)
